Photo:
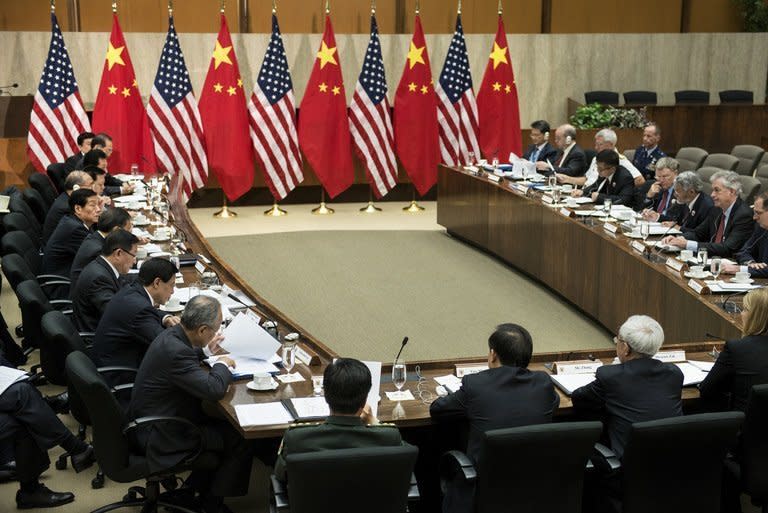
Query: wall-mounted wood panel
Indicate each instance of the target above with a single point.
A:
(712, 16)
(152, 15)
(578, 16)
(439, 16)
(308, 17)
(32, 15)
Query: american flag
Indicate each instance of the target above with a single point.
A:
(272, 116)
(174, 120)
(369, 119)
(456, 108)
(58, 116)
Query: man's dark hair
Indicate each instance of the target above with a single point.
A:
(100, 140)
(540, 125)
(118, 239)
(93, 156)
(82, 137)
(608, 157)
(156, 268)
(113, 218)
(79, 198)
(94, 171)
(346, 382)
(513, 344)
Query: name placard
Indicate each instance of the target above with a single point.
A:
(306, 355)
(674, 263)
(565, 212)
(519, 187)
(546, 198)
(203, 258)
(638, 246)
(200, 267)
(577, 367)
(494, 178)
(670, 356)
(697, 287)
(610, 227)
(463, 370)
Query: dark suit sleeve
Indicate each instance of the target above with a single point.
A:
(623, 195)
(451, 407)
(742, 228)
(187, 374)
(718, 383)
(101, 292)
(576, 165)
(147, 325)
(111, 181)
(589, 398)
(641, 199)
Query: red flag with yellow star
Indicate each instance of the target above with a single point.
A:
(119, 110)
(323, 124)
(225, 119)
(416, 129)
(497, 104)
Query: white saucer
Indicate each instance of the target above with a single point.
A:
(137, 223)
(742, 282)
(179, 308)
(252, 386)
(702, 276)
(159, 239)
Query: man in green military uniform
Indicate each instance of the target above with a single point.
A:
(347, 382)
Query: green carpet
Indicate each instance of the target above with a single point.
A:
(360, 292)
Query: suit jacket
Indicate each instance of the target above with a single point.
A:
(575, 163)
(642, 201)
(89, 250)
(112, 185)
(61, 248)
(755, 250)
(59, 208)
(645, 161)
(687, 218)
(73, 161)
(741, 364)
(92, 292)
(337, 432)
(548, 152)
(501, 397)
(635, 391)
(129, 324)
(172, 382)
(737, 230)
(620, 190)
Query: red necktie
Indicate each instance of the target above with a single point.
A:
(560, 160)
(720, 230)
(663, 202)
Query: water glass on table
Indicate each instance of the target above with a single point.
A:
(399, 374)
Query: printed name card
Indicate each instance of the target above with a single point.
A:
(494, 178)
(610, 227)
(464, 370)
(200, 267)
(674, 263)
(638, 246)
(519, 187)
(670, 356)
(307, 356)
(577, 367)
(565, 212)
(546, 198)
(697, 287)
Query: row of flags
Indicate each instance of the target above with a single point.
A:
(433, 122)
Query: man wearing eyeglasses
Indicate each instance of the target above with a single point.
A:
(753, 255)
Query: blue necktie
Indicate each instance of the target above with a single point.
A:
(535, 155)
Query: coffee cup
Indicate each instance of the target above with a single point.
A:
(141, 253)
(697, 270)
(686, 254)
(262, 380)
(742, 276)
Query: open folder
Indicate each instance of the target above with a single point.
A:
(287, 411)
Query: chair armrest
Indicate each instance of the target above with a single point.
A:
(57, 277)
(454, 462)
(413, 490)
(604, 459)
(279, 494)
(107, 370)
(59, 304)
(159, 419)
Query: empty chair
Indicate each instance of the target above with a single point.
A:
(630, 154)
(19, 242)
(42, 184)
(660, 452)
(721, 160)
(690, 158)
(57, 173)
(603, 97)
(370, 479)
(751, 187)
(36, 204)
(749, 157)
(736, 96)
(17, 204)
(706, 172)
(761, 173)
(17, 270)
(640, 98)
(691, 96)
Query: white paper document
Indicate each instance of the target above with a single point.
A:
(570, 382)
(245, 366)
(244, 337)
(310, 407)
(724, 286)
(450, 382)
(692, 375)
(705, 366)
(402, 395)
(9, 376)
(263, 414)
(373, 395)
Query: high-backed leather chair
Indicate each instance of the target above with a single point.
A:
(603, 97)
(690, 158)
(693, 96)
(749, 157)
(641, 98)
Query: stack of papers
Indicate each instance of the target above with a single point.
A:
(262, 414)
(245, 338)
(692, 374)
(727, 287)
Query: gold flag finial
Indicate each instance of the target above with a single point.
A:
(327, 6)
(53, 5)
(458, 11)
(418, 7)
(373, 7)
(170, 7)
(500, 9)
(222, 6)
(274, 6)
(114, 7)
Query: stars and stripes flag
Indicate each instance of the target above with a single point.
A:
(370, 122)
(175, 122)
(272, 115)
(456, 106)
(58, 116)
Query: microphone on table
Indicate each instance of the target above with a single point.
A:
(657, 249)
(402, 346)
(713, 337)
(729, 306)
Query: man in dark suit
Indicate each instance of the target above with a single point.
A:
(346, 383)
(72, 229)
(570, 160)
(113, 186)
(132, 320)
(649, 152)
(657, 197)
(753, 255)
(639, 389)
(171, 382)
(111, 219)
(691, 206)
(728, 225)
(506, 395)
(100, 280)
(540, 150)
(614, 182)
(84, 143)
(60, 206)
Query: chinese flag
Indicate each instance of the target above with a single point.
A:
(323, 124)
(119, 110)
(416, 132)
(497, 103)
(225, 119)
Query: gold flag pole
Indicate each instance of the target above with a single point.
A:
(275, 211)
(114, 7)
(170, 7)
(371, 208)
(373, 7)
(53, 5)
(274, 6)
(327, 6)
(222, 6)
(418, 7)
(413, 207)
(458, 11)
(500, 9)
(225, 212)
(322, 210)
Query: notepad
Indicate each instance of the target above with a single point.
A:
(568, 383)
(262, 414)
(692, 375)
(307, 408)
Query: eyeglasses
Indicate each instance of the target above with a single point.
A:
(126, 251)
(617, 339)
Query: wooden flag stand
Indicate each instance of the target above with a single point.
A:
(275, 211)
(371, 208)
(225, 212)
(413, 207)
(322, 210)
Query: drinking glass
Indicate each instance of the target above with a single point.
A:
(495, 163)
(645, 230)
(317, 384)
(552, 182)
(607, 204)
(716, 267)
(556, 195)
(398, 374)
(134, 170)
(702, 256)
(289, 355)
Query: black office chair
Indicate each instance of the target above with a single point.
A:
(36, 204)
(17, 222)
(750, 470)
(736, 96)
(17, 204)
(20, 243)
(749, 157)
(691, 96)
(114, 452)
(640, 98)
(550, 479)
(42, 184)
(370, 479)
(602, 97)
(17, 270)
(58, 173)
(673, 465)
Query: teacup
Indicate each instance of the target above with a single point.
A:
(173, 304)
(742, 276)
(262, 380)
(686, 254)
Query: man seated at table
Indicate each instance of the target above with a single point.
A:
(171, 382)
(114, 185)
(605, 139)
(753, 255)
(614, 182)
(728, 225)
(691, 206)
(60, 206)
(346, 383)
(570, 159)
(540, 150)
(84, 146)
(657, 197)
(506, 395)
(132, 320)
(648, 153)
(100, 280)
(110, 220)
